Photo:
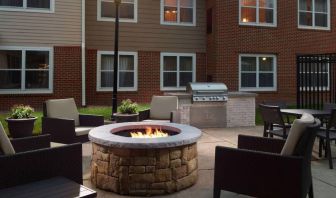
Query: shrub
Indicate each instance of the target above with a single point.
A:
(128, 107)
(21, 112)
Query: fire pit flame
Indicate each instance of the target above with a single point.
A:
(150, 133)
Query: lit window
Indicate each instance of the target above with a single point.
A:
(27, 5)
(25, 70)
(127, 74)
(178, 12)
(258, 12)
(314, 14)
(177, 70)
(257, 72)
(127, 10)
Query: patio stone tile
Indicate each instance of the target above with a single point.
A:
(207, 137)
(206, 153)
(321, 171)
(323, 190)
(231, 134)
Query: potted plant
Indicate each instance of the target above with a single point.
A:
(21, 121)
(128, 112)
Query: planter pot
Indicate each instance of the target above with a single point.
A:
(119, 118)
(21, 127)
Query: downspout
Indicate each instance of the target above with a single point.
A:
(83, 56)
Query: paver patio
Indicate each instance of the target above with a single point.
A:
(324, 179)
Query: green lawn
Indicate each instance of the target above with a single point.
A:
(96, 110)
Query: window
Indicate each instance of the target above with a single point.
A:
(315, 76)
(314, 14)
(177, 70)
(127, 71)
(257, 72)
(258, 12)
(27, 5)
(27, 70)
(178, 12)
(127, 10)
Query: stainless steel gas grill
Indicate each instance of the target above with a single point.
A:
(208, 92)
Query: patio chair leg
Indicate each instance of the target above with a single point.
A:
(311, 191)
(328, 150)
(216, 193)
(265, 132)
(320, 147)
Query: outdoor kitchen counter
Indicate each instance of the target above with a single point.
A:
(239, 110)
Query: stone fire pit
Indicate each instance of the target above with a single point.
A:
(144, 166)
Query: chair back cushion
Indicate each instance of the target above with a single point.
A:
(63, 108)
(5, 144)
(162, 106)
(296, 132)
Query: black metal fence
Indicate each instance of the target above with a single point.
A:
(316, 80)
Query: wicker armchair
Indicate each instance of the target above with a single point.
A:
(63, 122)
(162, 108)
(34, 160)
(257, 169)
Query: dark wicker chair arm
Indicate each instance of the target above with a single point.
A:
(144, 115)
(91, 120)
(175, 116)
(61, 130)
(31, 143)
(256, 173)
(260, 143)
(31, 166)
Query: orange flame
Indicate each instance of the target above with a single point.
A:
(150, 133)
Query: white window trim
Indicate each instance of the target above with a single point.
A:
(51, 71)
(178, 23)
(313, 27)
(103, 89)
(257, 23)
(108, 19)
(274, 88)
(25, 9)
(163, 54)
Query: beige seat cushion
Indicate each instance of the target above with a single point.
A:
(162, 106)
(56, 144)
(5, 144)
(82, 130)
(160, 121)
(295, 133)
(63, 108)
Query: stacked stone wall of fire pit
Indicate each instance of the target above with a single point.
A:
(144, 172)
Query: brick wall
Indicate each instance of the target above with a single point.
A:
(67, 81)
(286, 41)
(148, 78)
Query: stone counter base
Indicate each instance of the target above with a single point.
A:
(144, 172)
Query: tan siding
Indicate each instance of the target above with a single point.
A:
(62, 28)
(147, 34)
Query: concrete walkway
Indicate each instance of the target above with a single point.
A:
(324, 178)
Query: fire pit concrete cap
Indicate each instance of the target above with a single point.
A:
(104, 135)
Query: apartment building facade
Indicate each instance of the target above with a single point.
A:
(64, 48)
(254, 43)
